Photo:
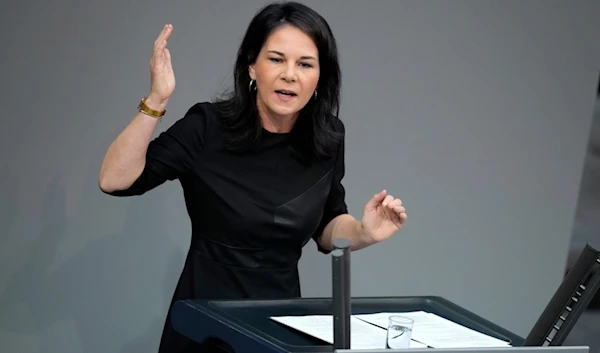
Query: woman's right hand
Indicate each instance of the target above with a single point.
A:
(162, 78)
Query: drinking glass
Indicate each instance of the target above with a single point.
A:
(399, 332)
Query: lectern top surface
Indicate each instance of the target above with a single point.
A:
(553, 349)
(247, 324)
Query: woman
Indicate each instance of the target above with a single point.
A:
(261, 169)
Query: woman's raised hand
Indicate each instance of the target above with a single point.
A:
(162, 78)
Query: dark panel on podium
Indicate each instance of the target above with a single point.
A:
(246, 325)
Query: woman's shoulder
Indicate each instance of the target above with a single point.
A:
(196, 125)
(204, 113)
(199, 117)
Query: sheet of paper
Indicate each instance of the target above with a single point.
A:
(362, 334)
(436, 331)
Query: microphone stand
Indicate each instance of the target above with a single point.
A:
(340, 257)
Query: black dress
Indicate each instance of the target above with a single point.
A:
(251, 214)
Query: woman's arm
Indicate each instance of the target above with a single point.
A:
(125, 158)
(344, 226)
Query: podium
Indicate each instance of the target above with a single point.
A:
(245, 326)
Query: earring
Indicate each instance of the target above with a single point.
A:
(315, 94)
(250, 85)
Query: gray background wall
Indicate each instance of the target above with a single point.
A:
(475, 113)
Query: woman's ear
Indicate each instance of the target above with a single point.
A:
(251, 72)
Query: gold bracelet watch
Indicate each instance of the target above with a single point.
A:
(143, 108)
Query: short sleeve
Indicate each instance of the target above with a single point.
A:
(172, 154)
(336, 201)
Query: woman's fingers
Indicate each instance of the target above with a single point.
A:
(163, 36)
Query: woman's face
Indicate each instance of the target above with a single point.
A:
(286, 72)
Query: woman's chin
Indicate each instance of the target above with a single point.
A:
(285, 110)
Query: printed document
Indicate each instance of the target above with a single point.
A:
(363, 335)
(436, 331)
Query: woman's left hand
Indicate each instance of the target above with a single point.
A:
(382, 217)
